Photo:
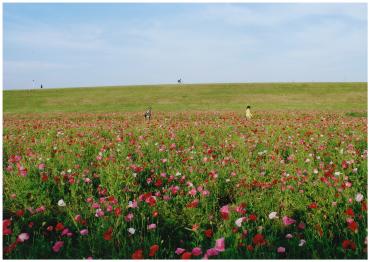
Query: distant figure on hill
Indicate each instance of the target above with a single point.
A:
(248, 113)
(179, 81)
(41, 86)
(148, 113)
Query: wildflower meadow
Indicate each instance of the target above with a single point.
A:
(195, 185)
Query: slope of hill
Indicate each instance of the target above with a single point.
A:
(192, 97)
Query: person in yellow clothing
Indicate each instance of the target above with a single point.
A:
(248, 113)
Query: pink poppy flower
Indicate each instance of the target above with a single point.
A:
(57, 246)
(224, 211)
(239, 221)
(193, 192)
(196, 251)
(179, 251)
(84, 232)
(205, 193)
(288, 221)
(301, 226)
(40, 209)
(174, 189)
(132, 204)
(22, 170)
(41, 166)
(212, 252)
(65, 231)
(99, 213)
(152, 226)
(220, 244)
(281, 249)
(166, 197)
(129, 217)
(23, 237)
(109, 208)
(288, 236)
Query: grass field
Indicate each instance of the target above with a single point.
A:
(83, 178)
(208, 97)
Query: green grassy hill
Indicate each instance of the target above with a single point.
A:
(348, 97)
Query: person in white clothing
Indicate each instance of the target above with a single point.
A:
(248, 113)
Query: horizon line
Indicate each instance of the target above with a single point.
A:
(182, 84)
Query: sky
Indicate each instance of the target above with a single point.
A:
(72, 45)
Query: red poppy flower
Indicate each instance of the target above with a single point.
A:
(10, 248)
(252, 217)
(138, 254)
(208, 233)
(59, 227)
(259, 239)
(20, 212)
(363, 206)
(344, 164)
(111, 198)
(151, 201)
(6, 224)
(117, 211)
(195, 227)
(319, 229)
(153, 250)
(193, 204)
(350, 212)
(348, 244)
(250, 248)
(241, 209)
(158, 183)
(44, 178)
(313, 205)
(186, 255)
(353, 226)
(108, 234)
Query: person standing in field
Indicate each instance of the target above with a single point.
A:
(148, 114)
(248, 113)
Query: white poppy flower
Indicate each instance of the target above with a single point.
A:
(61, 203)
(239, 221)
(273, 215)
(301, 242)
(359, 197)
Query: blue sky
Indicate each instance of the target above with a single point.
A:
(70, 45)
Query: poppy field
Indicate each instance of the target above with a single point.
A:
(199, 185)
